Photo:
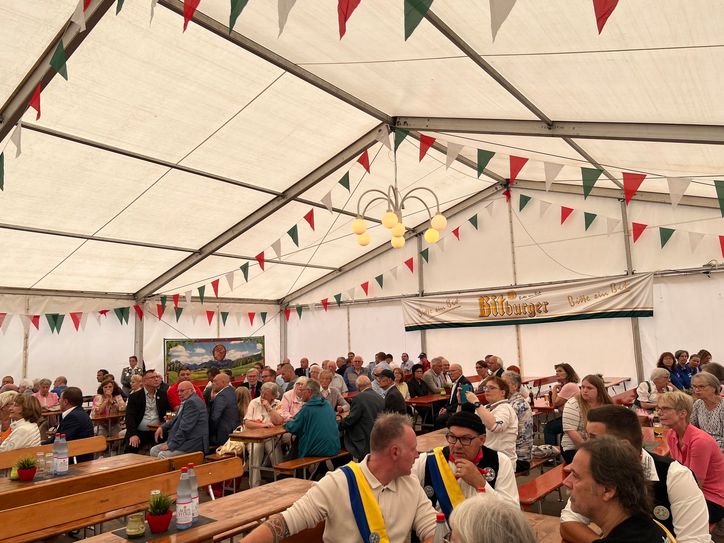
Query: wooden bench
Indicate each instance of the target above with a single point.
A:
(534, 463)
(290, 467)
(536, 489)
(53, 517)
(626, 398)
(77, 447)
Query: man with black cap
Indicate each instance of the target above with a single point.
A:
(394, 402)
(455, 472)
(424, 361)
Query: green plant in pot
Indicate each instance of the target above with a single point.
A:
(159, 512)
(26, 466)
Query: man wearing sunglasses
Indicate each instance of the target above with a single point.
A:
(455, 472)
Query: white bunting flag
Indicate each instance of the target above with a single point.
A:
(499, 11)
(16, 138)
(238, 316)
(453, 150)
(98, 317)
(551, 172)
(78, 16)
(230, 280)
(27, 322)
(393, 272)
(327, 201)
(187, 295)
(285, 6)
(383, 136)
(489, 208)
(694, 240)
(83, 321)
(153, 9)
(277, 248)
(5, 322)
(611, 225)
(441, 244)
(194, 314)
(543, 207)
(677, 188)
(350, 293)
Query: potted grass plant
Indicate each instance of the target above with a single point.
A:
(26, 466)
(159, 512)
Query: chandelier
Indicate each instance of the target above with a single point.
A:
(392, 218)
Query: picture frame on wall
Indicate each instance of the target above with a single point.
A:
(199, 354)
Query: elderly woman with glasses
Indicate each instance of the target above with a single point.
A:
(648, 392)
(695, 449)
(708, 411)
(498, 416)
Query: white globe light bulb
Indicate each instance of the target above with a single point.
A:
(359, 226)
(397, 242)
(398, 230)
(363, 239)
(432, 236)
(439, 222)
(389, 219)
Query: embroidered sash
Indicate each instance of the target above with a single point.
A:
(366, 510)
(444, 483)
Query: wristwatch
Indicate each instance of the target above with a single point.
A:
(476, 405)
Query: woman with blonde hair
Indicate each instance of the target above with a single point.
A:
(575, 413)
(6, 400)
(243, 397)
(487, 519)
(400, 383)
(25, 412)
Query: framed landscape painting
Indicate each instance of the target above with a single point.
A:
(237, 354)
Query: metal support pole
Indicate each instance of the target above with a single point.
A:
(635, 329)
(421, 291)
(26, 334)
(282, 334)
(138, 341)
(349, 330)
(518, 346)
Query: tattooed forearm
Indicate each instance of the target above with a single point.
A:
(278, 527)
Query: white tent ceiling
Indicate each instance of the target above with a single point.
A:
(169, 159)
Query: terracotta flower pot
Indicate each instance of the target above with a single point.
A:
(27, 474)
(159, 523)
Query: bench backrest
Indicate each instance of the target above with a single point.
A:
(625, 398)
(44, 519)
(77, 447)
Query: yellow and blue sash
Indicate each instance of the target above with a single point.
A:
(447, 489)
(366, 510)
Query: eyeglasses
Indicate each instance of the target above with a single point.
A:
(464, 440)
(489, 388)
(664, 408)
(698, 387)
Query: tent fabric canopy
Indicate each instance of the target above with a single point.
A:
(165, 145)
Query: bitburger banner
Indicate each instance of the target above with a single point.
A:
(600, 298)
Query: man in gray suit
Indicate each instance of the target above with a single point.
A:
(224, 416)
(357, 426)
(188, 431)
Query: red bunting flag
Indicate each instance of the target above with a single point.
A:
(565, 213)
(410, 265)
(325, 303)
(215, 286)
(175, 300)
(260, 260)
(344, 12)
(189, 10)
(516, 164)
(638, 229)
(104, 312)
(309, 217)
(603, 10)
(366, 287)
(631, 183)
(251, 316)
(506, 193)
(86, 3)
(456, 233)
(210, 316)
(139, 311)
(2, 319)
(721, 244)
(35, 319)
(159, 311)
(364, 160)
(287, 313)
(425, 144)
(35, 101)
(76, 317)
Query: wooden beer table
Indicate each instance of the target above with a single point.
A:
(257, 437)
(546, 527)
(431, 440)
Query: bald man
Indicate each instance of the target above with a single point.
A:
(224, 416)
(188, 431)
(358, 424)
(460, 385)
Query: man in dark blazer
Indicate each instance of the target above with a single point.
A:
(188, 431)
(457, 394)
(303, 369)
(75, 422)
(224, 416)
(357, 426)
(146, 407)
(394, 402)
(253, 383)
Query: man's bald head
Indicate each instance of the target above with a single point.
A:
(220, 381)
(363, 383)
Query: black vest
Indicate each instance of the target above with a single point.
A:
(662, 505)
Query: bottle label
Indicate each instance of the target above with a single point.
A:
(61, 465)
(195, 503)
(184, 514)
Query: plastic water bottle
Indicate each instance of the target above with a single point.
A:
(184, 503)
(194, 490)
(441, 529)
(60, 455)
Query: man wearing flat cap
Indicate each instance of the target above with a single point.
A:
(394, 402)
(455, 472)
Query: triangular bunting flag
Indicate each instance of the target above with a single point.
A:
(631, 183)
(119, 6)
(178, 311)
(694, 240)
(224, 316)
(17, 139)
(366, 287)
(677, 188)
(344, 181)
(523, 202)
(202, 291)
(327, 201)
(309, 217)
(364, 160)
(611, 225)
(163, 300)
(59, 322)
(425, 254)
(721, 245)
(507, 195)
(516, 164)
(78, 16)
(35, 320)
(551, 171)
(425, 143)
(325, 304)
(350, 293)
(489, 208)
(189, 10)
(380, 280)
(665, 235)
(4, 321)
(393, 272)
(415, 11)
(86, 4)
(51, 320)
(400, 135)
(230, 280)
(453, 150)
(383, 132)
(277, 248)
(175, 300)
(251, 315)
(187, 295)
(159, 311)
(104, 312)
(210, 316)
(287, 313)
(237, 6)
(76, 318)
(720, 195)
(299, 311)
(456, 233)
(588, 219)
(285, 6)
(543, 207)
(410, 264)
(58, 61)
(245, 271)
(122, 314)
(215, 286)
(2, 171)
(294, 234)
(263, 317)
(483, 158)
(139, 311)
(499, 11)
(589, 176)
(565, 213)
(153, 9)
(25, 320)
(603, 10)
(338, 298)
(260, 260)
(638, 229)
(474, 221)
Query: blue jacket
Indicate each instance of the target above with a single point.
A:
(316, 428)
(681, 377)
(224, 416)
(188, 431)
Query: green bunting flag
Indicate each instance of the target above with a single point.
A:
(665, 235)
(122, 314)
(245, 270)
(380, 280)
(483, 158)
(2, 171)
(523, 202)
(55, 321)
(590, 176)
(344, 181)
(294, 234)
(400, 135)
(57, 61)
(719, 195)
(178, 311)
(263, 317)
(415, 11)
(299, 311)
(119, 6)
(474, 221)
(338, 299)
(425, 254)
(163, 300)
(202, 290)
(237, 6)
(224, 316)
(589, 218)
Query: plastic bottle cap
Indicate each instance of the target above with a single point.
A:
(441, 517)
(184, 470)
(191, 465)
